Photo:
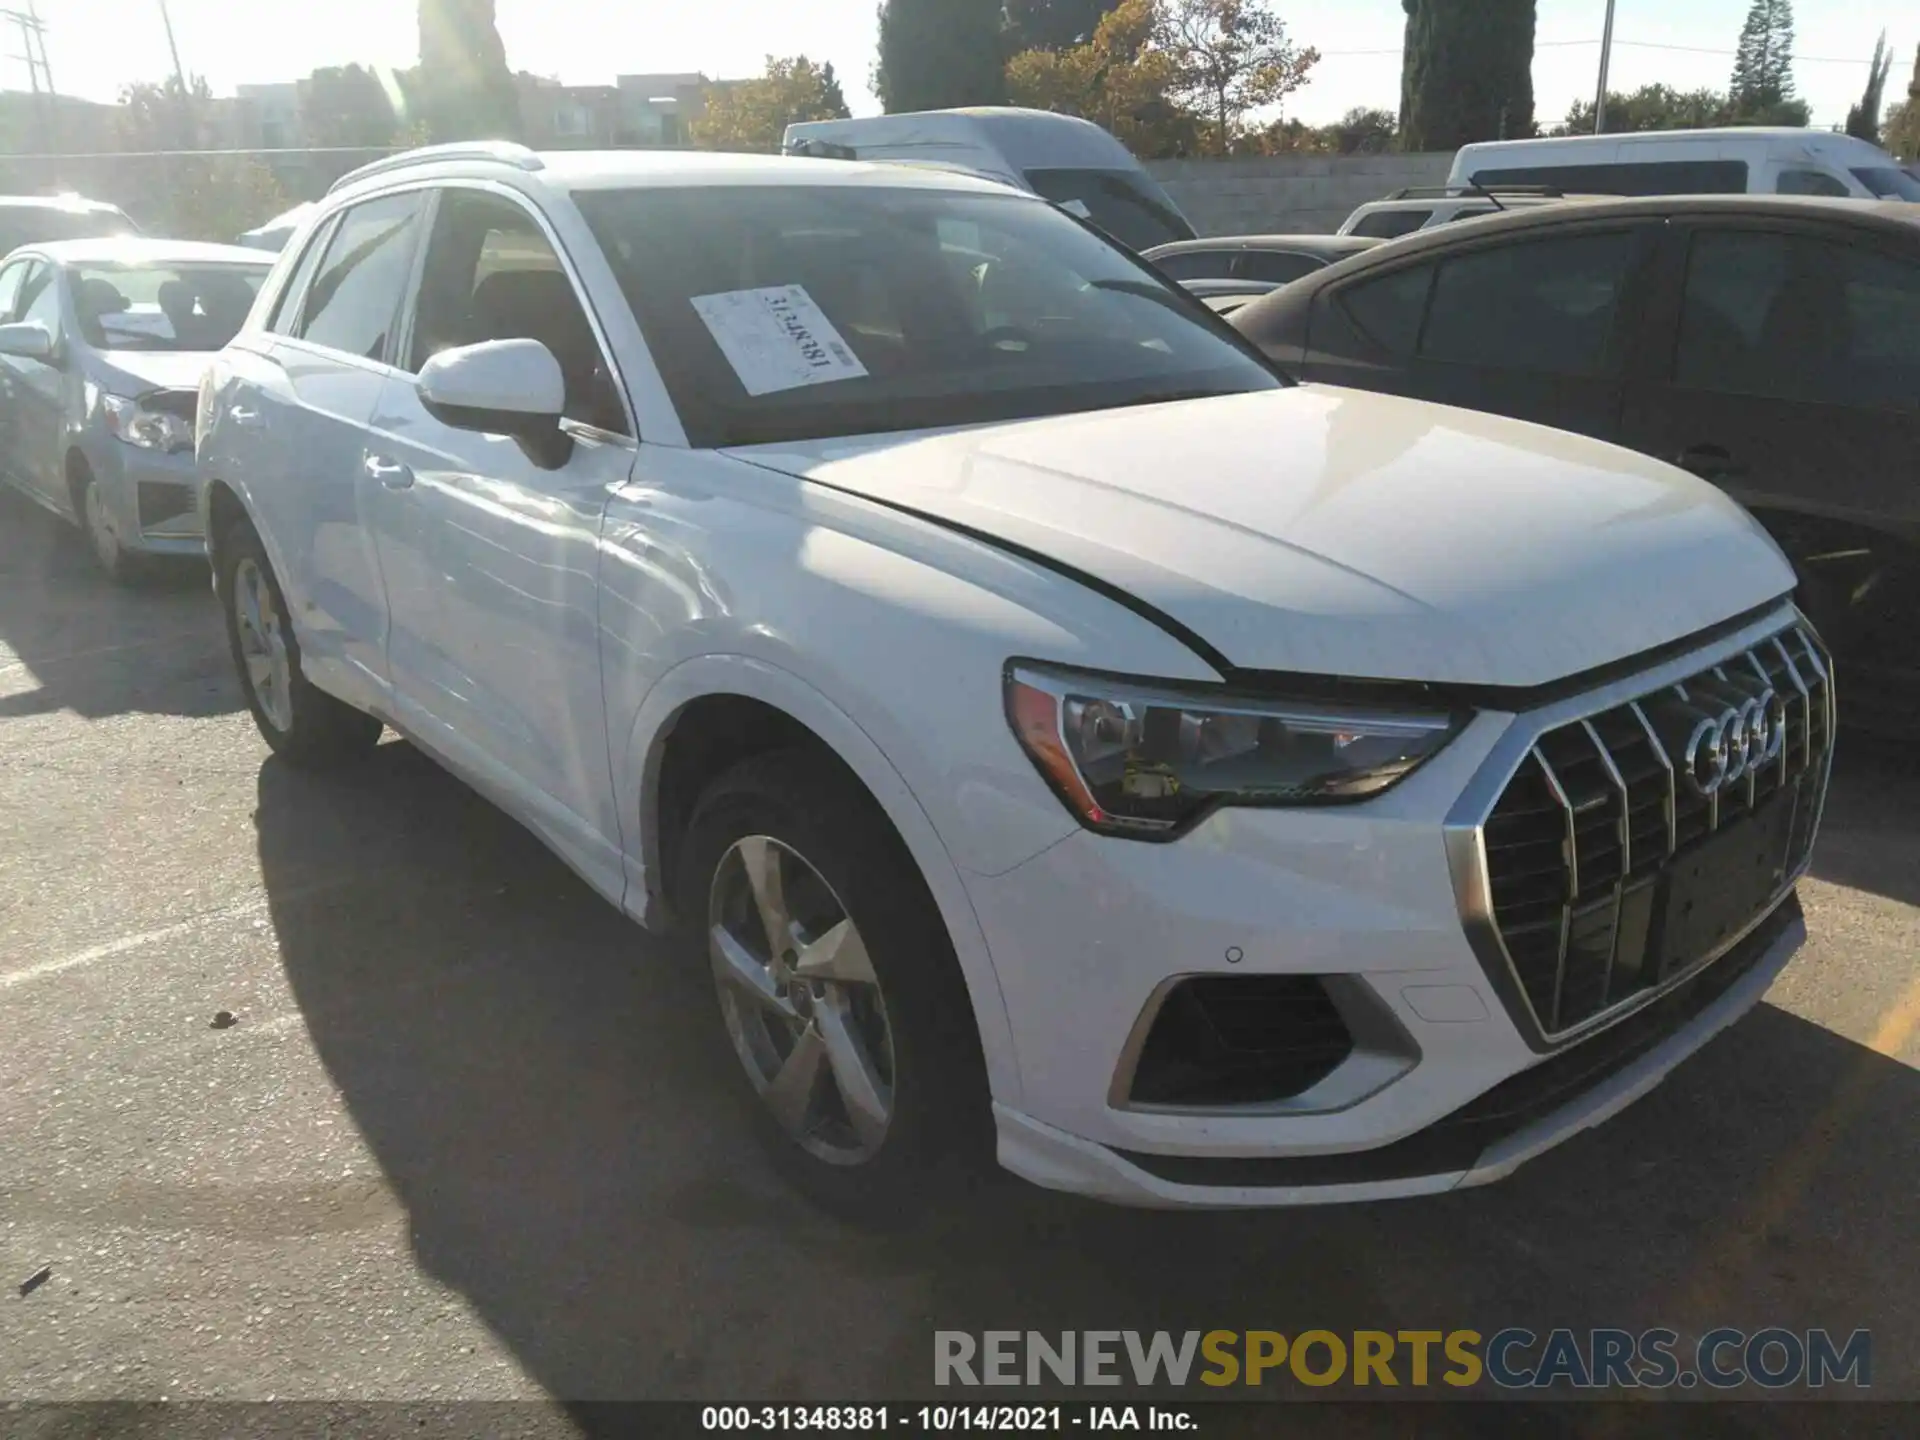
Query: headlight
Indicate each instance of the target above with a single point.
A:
(1144, 759)
(148, 429)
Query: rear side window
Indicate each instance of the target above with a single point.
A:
(1276, 267)
(1467, 213)
(1545, 306)
(1389, 310)
(1888, 182)
(286, 308)
(355, 296)
(1657, 177)
(1196, 265)
(1390, 224)
(1809, 182)
(1791, 317)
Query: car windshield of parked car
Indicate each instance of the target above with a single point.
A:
(797, 312)
(1888, 182)
(1128, 206)
(163, 307)
(44, 224)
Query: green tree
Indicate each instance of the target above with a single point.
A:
(754, 114)
(187, 192)
(1118, 79)
(1763, 63)
(1053, 24)
(465, 90)
(935, 54)
(348, 106)
(1901, 132)
(1229, 57)
(1651, 107)
(164, 116)
(1863, 120)
(1467, 73)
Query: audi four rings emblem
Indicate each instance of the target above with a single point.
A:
(1723, 748)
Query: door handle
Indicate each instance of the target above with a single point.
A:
(1711, 462)
(244, 417)
(390, 473)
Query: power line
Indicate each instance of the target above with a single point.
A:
(1630, 44)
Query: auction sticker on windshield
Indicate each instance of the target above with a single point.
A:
(777, 339)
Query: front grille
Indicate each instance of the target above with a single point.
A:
(1611, 872)
(160, 502)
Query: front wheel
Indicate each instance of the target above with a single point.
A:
(103, 540)
(303, 725)
(837, 984)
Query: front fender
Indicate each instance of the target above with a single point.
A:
(636, 780)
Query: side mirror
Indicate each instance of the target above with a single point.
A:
(499, 387)
(27, 340)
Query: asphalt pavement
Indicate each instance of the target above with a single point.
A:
(471, 1136)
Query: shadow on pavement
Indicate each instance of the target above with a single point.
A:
(70, 640)
(551, 1100)
(1868, 838)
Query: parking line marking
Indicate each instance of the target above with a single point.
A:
(128, 942)
(1898, 1024)
(15, 661)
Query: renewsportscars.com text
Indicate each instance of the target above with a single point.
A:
(1512, 1358)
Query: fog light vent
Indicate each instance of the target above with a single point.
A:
(1224, 1040)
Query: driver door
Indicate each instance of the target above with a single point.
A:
(34, 395)
(491, 558)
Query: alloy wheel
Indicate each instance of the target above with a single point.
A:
(801, 1001)
(263, 644)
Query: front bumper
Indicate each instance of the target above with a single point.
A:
(1087, 937)
(152, 498)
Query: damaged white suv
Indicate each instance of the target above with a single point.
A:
(1047, 719)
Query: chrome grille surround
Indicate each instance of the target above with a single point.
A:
(1558, 844)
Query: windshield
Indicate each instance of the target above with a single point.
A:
(163, 307)
(43, 224)
(1888, 182)
(788, 312)
(1124, 203)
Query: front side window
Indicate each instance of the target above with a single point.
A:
(1546, 306)
(1810, 182)
(1390, 224)
(1389, 310)
(163, 307)
(1124, 203)
(1889, 182)
(40, 296)
(286, 305)
(1791, 317)
(10, 281)
(491, 274)
(1197, 265)
(1275, 267)
(355, 296)
(779, 312)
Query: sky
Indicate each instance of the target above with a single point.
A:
(97, 46)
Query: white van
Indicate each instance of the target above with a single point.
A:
(1738, 161)
(1072, 162)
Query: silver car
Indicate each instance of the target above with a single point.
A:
(102, 346)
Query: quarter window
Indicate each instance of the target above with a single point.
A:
(356, 292)
(1547, 306)
(1791, 317)
(491, 274)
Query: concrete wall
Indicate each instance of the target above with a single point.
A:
(1289, 194)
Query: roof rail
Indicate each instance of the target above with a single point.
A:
(503, 152)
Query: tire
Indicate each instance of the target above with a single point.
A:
(303, 725)
(113, 560)
(837, 854)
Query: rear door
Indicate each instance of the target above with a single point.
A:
(11, 279)
(1536, 325)
(331, 358)
(1787, 371)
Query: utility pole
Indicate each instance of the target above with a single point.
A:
(1606, 55)
(33, 44)
(173, 48)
